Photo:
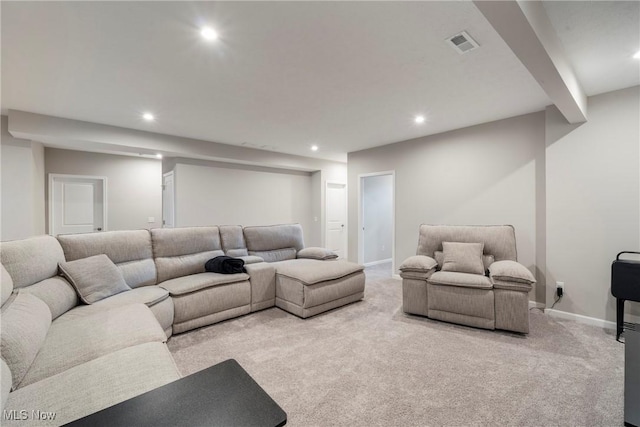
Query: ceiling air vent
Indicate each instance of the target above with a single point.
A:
(462, 42)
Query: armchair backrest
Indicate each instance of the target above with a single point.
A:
(499, 240)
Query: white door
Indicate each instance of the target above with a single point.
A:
(77, 204)
(168, 200)
(336, 218)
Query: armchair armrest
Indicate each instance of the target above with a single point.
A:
(418, 267)
(313, 252)
(511, 275)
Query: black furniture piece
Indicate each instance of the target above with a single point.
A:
(221, 395)
(625, 285)
(632, 376)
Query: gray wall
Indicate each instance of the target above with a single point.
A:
(377, 214)
(134, 184)
(593, 200)
(214, 193)
(22, 187)
(485, 174)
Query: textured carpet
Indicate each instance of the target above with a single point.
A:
(370, 364)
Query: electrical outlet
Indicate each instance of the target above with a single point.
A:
(560, 289)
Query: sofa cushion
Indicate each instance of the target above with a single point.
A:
(487, 260)
(418, 263)
(94, 278)
(270, 237)
(465, 280)
(312, 271)
(313, 252)
(195, 282)
(57, 293)
(97, 384)
(463, 257)
(276, 254)
(25, 323)
(73, 340)
(182, 251)
(31, 260)
(511, 271)
(232, 240)
(130, 250)
(6, 284)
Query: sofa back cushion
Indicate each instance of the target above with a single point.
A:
(274, 242)
(232, 240)
(183, 251)
(25, 323)
(31, 260)
(499, 240)
(6, 285)
(130, 250)
(56, 292)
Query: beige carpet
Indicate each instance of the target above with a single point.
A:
(370, 364)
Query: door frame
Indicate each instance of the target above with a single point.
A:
(361, 178)
(53, 176)
(164, 175)
(346, 215)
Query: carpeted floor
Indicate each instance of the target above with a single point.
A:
(370, 364)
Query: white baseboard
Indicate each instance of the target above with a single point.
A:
(382, 261)
(396, 276)
(593, 321)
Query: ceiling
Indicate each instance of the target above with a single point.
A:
(287, 75)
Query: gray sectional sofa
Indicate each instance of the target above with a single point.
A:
(468, 275)
(72, 346)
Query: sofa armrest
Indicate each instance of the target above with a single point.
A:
(418, 267)
(511, 275)
(313, 252)
(251, 259)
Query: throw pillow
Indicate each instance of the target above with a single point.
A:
(317, 253)
(94, 278)
(487, 260)
(463, 257)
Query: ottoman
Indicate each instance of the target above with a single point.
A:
(306, 287)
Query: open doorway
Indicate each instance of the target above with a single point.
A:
(376, 228)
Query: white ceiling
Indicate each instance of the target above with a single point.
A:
(284, 75)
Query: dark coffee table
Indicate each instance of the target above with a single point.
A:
(222, 395)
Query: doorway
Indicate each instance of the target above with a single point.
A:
(336, 218)
(376, 222)
(168, 200)
(77, 204)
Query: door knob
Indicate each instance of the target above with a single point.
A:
(99, 229)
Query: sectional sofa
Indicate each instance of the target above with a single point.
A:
(86, 317)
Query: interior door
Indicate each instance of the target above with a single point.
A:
(168, 200)
(336, 218)
(77, 204)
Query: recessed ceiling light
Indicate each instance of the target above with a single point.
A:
(637, 55)
(148, 117)
(208, 33)
(314, 148)
(419, 119)
(159, 156)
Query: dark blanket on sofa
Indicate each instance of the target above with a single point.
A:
(225, 265)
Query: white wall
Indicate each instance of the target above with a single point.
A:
(593, 200)
(485, 174)
(377, 213)
(22, 187)
(134, 184)
(214, 193)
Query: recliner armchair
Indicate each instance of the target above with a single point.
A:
(468, 275)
